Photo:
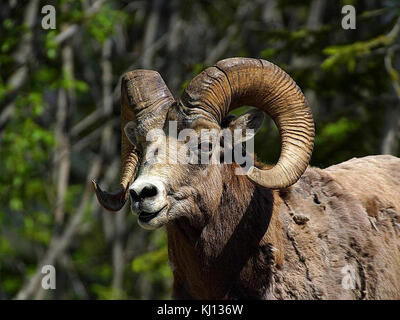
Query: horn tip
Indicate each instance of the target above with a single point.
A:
(111, 201)
(94, 183)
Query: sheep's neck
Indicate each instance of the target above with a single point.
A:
(231, 256)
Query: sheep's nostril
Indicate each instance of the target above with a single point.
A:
(148, 191)
(134, 195)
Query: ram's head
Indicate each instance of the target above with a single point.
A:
(162, 189)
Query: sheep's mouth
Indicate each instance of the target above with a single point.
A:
(147, 216)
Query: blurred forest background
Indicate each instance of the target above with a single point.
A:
(59, 117)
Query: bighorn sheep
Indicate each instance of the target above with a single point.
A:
(282, 232)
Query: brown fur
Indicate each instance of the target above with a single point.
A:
(293, 244)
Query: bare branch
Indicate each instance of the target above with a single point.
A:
(392, 72)
(93, 136)
(391, 128)
(96, 115)
(150, 34)
(62, 155)
(66, 34)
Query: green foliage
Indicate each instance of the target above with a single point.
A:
(153, 265)
(24, 155)
(9, 40)
(25, 207)
(348, 54)
(151, 261)
(101, 25)
(336, 132)
(334, 139)
(108, 293)
(51, 46)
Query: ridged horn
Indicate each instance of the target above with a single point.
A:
(235, 82)
(145, 99)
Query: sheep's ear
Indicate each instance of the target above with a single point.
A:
(130, 132)
(248, 123)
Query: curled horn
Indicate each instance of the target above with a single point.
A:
(234, 82)
(145, 99)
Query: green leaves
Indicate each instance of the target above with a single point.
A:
(349, 54)
(37, 227)
(68, 82)
(337, 141)
(13, 35)
(101, 25)
(52, 48)
(336, 132)
(24, 153)
(153, 265)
